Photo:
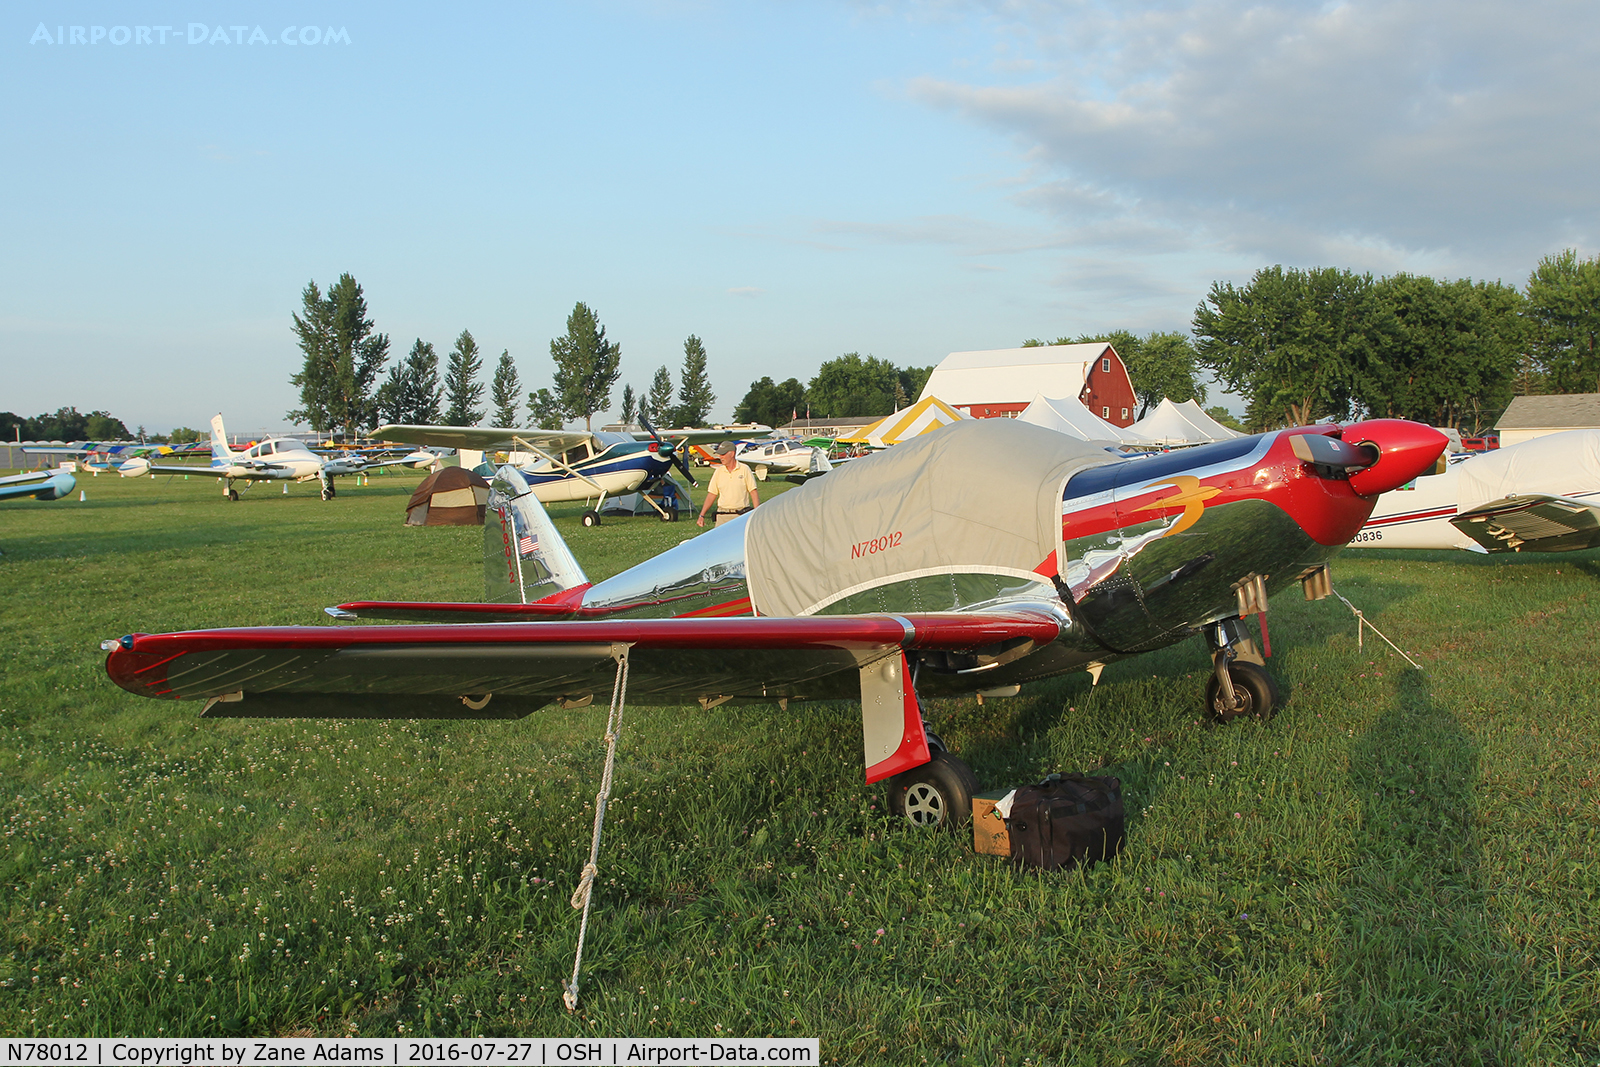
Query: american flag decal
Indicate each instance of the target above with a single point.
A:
(527, 545)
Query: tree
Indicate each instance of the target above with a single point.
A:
(629, 405)
(546, 410)
(694, 388)
(411, 394)
(506, 391)
(1449, 352)
(772, 404)
(461, 386)
(586, 365)
(1290, 341)
(912, 379)
(1564, 308)
(343, 357)
(851, 386)
(101, 426)
(658, 402)
(184, 435)
(1224, 416)
(1164, 365)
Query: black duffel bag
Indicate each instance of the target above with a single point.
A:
(1066, 820)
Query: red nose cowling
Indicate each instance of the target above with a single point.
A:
(1405, 450)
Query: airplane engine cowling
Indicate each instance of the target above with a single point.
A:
(1405, 450)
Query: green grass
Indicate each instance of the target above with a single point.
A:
(1400, 868)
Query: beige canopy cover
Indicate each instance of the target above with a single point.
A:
(976, 496)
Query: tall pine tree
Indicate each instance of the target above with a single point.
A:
(586, 365)
(411, 394)
(506, 391)
(629, 404)
(694, 388)
(461, 385)
(343, 358)
(660, 396)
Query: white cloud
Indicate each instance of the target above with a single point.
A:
(745, 290)
(1415, 133)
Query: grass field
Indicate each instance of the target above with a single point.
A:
(1401, 868)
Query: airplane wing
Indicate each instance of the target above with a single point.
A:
(507, 670)
(482, 438)
(50, 484)
(696, 436)
(1532, 521)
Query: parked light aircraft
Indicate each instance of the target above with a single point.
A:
(276, 459)
(1541, 495)
(571, 465)
(977, 558)
(41, 485)
(785, 457)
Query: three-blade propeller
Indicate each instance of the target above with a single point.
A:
(674, 454)
(1327, 451)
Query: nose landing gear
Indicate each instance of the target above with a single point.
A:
(1239, 686)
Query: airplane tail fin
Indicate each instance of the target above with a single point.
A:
(221, 454)
(524, 559)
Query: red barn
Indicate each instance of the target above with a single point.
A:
(1001, 382)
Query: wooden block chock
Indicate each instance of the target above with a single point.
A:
(989, 835)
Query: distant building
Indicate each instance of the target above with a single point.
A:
(1001, 382)
(1535, 416)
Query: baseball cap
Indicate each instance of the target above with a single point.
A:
(724, 447)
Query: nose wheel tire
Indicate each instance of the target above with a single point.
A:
(591, 518)
(1256, 692)
(233, 494)
(936, 795)
(327, 492)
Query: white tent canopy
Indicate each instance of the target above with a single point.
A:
(1068, 415)
(1168, 424)
(1192, 411)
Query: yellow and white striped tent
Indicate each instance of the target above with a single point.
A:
(929, 413)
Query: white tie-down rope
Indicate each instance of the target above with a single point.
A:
(581, 895)
(1362, 621)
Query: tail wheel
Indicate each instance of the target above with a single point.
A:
(591, 518)
(1256, 692)
(936, 795)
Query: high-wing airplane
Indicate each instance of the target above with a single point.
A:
(571, 465)
(276, 459)
(41, 485)
(977, 558)
(1541, 495)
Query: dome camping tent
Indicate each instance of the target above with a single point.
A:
(451, 496)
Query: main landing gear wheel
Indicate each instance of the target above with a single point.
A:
(233, 494)
(936, 795)
(670, 515)
(327, 492)
(591, 518)
(1256, 692)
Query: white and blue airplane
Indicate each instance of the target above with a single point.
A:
(276, 459)
(562, 466)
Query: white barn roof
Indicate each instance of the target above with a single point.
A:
(1005, 375)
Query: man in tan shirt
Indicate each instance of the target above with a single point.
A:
(732, 488)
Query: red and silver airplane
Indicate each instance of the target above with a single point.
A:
(976, 559)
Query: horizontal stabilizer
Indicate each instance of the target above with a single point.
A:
(1532, 523)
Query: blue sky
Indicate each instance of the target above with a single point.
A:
(787, 181)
